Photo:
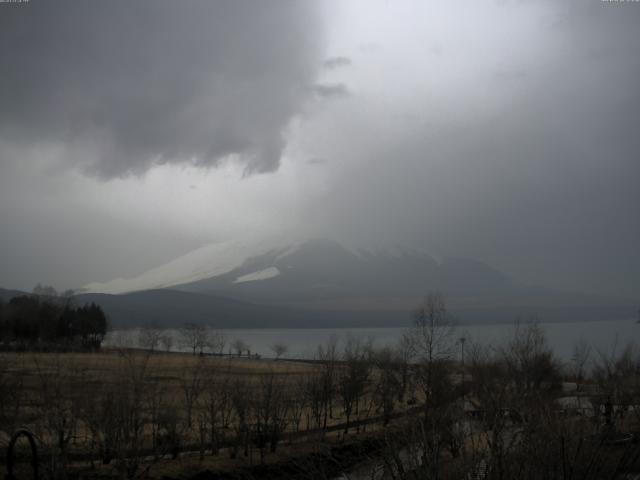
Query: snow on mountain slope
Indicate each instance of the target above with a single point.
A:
(294, 267)
(204, 262)
(260, 275)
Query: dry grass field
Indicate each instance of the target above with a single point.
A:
(166, 413)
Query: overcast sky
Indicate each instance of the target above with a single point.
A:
(503, 130)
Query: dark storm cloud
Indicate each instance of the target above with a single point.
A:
(125, 85)
(508, 134)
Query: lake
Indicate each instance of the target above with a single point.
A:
(302, 343)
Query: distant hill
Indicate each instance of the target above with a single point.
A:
(170, 308)
(7, 295)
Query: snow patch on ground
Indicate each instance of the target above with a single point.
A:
(259, 275)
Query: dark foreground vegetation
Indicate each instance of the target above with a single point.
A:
(46, 321)
(433, 407)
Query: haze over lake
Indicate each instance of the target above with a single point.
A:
(603, 336)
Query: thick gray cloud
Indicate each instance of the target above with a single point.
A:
(505, 131)
(336, 62)
(125, 85)
(520, 149)
(327, 91)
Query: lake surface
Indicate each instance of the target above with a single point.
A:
(603, 336)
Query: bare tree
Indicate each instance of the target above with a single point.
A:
(387, 382)
(117, 413)
(491, 386)
(216, 340)
(149, 337)
(241, 402)
(315, 393)
(279, 349)
(132, 391)
(269, 409)
(56, 408)
(166, 341)
(579, 359)
(353, 377)
(298, 401)
(156, 403)
(328, 356)
(432, 342)
(530, 360)
(618, 376)
(403, 355)
(97, 408)
(191, 384)
(431, 337)
(522, 434)
(195, 337)
(515, 386)
(11, 394)
(217, 406)
(239, 346)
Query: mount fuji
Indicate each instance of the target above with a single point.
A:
(321, 282)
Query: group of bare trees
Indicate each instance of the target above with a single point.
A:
(129, 413)
(194, 337)
(496, 416)
(502, 418)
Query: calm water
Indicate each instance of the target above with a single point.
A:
(302, 343)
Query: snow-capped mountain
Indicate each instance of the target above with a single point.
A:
(324, 273)
(322, 282)
(311, 270)
(205, 262)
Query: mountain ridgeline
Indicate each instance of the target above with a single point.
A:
(322, 269)
(321, 283)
